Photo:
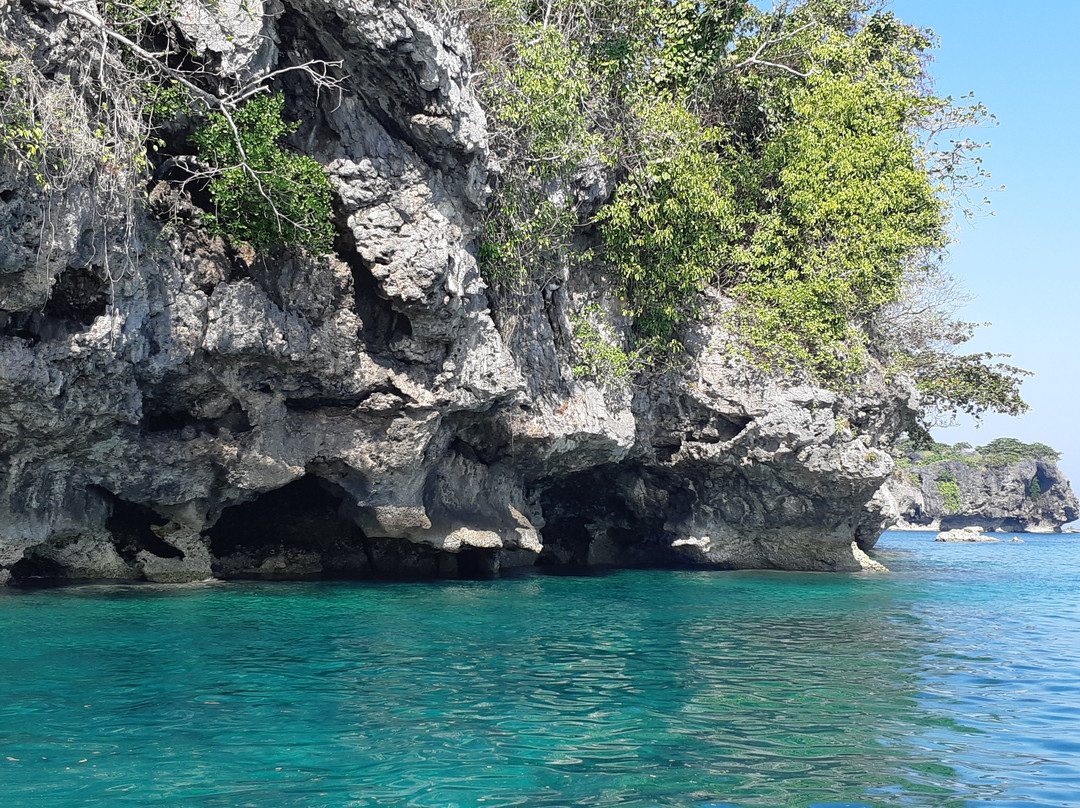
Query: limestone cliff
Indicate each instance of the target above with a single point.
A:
(1030, 495)
(209, 411)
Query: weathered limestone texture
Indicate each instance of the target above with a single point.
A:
(966, 534)
(217, 413)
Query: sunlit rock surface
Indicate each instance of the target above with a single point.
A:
(204, 411)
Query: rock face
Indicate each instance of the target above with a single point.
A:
(1030, 496)
(210, 412)
(965, 534)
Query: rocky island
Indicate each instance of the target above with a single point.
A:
(334, 287)
(1005, 485)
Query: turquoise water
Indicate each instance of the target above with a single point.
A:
(953, 681)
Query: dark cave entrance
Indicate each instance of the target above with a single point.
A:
(298, 530)
(37, 570)
(593, 518)
(132, 528)
(78, 297)
(304, 530)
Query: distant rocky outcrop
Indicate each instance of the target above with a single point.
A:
(965, 534)
(1003, 486)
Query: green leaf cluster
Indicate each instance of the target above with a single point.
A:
(777, 157)
(970, 383)
(1002, 451)
(950, 492)
(263, 193)
(673, 219)
(95, 124)
(1034, 488)
(21, 136)
(834, 197)
(598, 356)
(995, 454)
(571, 92)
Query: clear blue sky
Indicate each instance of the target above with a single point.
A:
(1023, 264)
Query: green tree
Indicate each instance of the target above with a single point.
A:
(263, 193)
(784, 158)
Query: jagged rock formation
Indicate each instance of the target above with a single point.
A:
(972, 534)
(1031, 496)
(213, 412)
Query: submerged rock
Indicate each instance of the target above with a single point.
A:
(212, 412)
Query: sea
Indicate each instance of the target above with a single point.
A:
(953, 680)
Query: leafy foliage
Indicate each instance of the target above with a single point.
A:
(262, 193)
(998, 452)
(22, 137)
(672, 220)
(950, 492)
(585, 88)
(784, 158)
(598, 356)
(845, 199)
(94, 122)
(1034, 488)
(60, 131)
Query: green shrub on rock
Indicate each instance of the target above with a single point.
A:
(262, 193)
(784, 159)
(950, 492)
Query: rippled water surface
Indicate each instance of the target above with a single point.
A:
(953, 681)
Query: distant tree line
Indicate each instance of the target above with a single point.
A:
(996, 453)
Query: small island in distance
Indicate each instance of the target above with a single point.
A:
(1005, 485)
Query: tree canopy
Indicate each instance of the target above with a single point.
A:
(998, 452)
(790, 159)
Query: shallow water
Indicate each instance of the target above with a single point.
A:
(953, 681)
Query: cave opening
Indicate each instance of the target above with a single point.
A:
(477, 563)
(37, 570)
(298, 530)
(78, 297)
(598, 517)
(132, 528)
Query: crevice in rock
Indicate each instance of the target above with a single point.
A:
(666, 451)
(380, 398)
(480, 437)
(321, 403)
(380, 324)
(298, 42)
(711, 427)
(235, 420)
(187, 187)
(78, 297)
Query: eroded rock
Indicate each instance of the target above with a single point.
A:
(966, 534)
(223, 413)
